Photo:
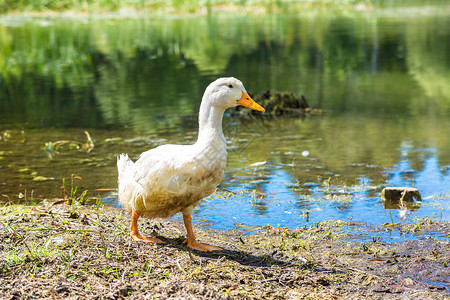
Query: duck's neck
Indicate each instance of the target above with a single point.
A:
(210, 123)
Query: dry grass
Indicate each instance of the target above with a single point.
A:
(51, 251)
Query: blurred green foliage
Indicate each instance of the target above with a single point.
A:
(179, 6)
(107, 71)
(196, 6)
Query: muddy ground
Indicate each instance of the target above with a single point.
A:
(57, 251)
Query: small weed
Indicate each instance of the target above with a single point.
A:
(71, 197)
(149, 270)
(328, 184)
(29, 201)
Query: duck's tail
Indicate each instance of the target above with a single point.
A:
(126, 181)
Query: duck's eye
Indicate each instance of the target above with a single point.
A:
(230, 86)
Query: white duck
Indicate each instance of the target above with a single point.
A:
(173, 178)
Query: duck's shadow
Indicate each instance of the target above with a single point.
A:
(244, 258)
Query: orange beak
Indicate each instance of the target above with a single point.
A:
(248, 102)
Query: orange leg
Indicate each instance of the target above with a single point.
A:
(134, 230)
(190, 237)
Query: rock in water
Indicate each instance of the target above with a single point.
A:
(401, 193)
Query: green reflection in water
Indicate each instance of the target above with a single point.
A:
(104, 72)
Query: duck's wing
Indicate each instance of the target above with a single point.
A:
(150, 175)
(162, 162)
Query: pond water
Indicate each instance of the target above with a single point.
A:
(381, 79)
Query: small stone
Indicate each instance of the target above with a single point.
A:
(41, 178)
(401, 193)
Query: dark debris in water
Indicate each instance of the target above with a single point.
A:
(47, 251)
(277, 104)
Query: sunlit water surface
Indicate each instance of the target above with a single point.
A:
(380, 79)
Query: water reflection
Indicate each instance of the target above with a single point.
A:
(135, 84)
(108, 72)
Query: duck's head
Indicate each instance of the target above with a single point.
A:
(229, 92)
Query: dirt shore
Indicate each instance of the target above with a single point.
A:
(57, 251)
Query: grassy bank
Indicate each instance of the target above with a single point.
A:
(189, 6)
(61, 251)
